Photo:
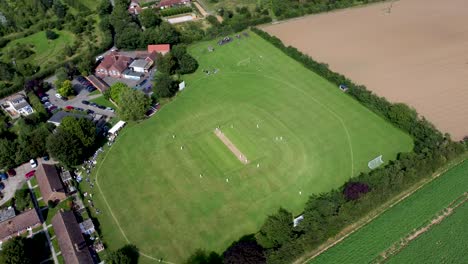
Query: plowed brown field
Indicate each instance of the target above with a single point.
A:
(417, 53)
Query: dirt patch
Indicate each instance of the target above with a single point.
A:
(415, 52)
(241, 157)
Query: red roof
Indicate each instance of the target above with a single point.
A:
(120, 62)
(160, 48)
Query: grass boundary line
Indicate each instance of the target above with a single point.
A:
(110, 209)
(376, 213)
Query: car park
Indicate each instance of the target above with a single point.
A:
(33, 163)
(30, 174)
(85, 102)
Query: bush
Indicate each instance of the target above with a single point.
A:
(22, 200)
(51, 34)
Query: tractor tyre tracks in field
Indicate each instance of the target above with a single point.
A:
(437, 219)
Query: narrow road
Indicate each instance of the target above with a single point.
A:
(44, 225)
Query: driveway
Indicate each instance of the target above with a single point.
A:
(82, 94)
(16, 182)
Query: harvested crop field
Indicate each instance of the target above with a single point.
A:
(411, 51)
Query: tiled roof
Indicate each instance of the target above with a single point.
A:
(49, 181)
(18, 224)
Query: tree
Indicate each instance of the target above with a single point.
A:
(148, 18)
(62, 75)
(128, 254)
(244, 252)
(166, 63)
(66, 88)
(354, 190)
(133, 104)
(81, 128)
(187, 64)
(116, 90)
(202, 257)
(104, 8)
(60, 9)
(14, 251)
(165, 86)
(51, 34)
(23, 200)
(276, 230)
(7, 150)
(66, 148)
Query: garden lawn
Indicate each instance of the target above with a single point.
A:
(367, 243)
(103, 101)
(171, 186)
(45, 49)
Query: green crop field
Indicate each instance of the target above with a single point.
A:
(45, 49)
(367, 243)
(444, 243)
(171, 186)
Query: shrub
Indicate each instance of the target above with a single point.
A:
(51, 34)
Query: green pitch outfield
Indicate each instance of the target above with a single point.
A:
(170, 185)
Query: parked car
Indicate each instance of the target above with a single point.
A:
(46, 158)
(79, 109)
(44, 99)
(89, 111)
(85, 102)
(110, 109)
(52, 108)
(69, 107)
(11, 172)
(30, 174)
(93, 104)
(2, 186)
(91, 89)
(47, 104)
(33, 163)
(58, 96)
(101, 107)
(3, 176)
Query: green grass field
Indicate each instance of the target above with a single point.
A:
(103, 101)
(444, 243)
(154, 188)
(230, 4)
(45, 49)
(365, 245)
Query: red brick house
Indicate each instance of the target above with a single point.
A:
(113, 65)
(50, 184)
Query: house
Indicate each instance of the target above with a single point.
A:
(113, 65)
(71, 242)
(15, 226)
(159, 48)
(16, 106)
(57, 118)
(172, 3)
(50, 184)
(134, 7)
(98, 83)
(87, 227)
(6, 214)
